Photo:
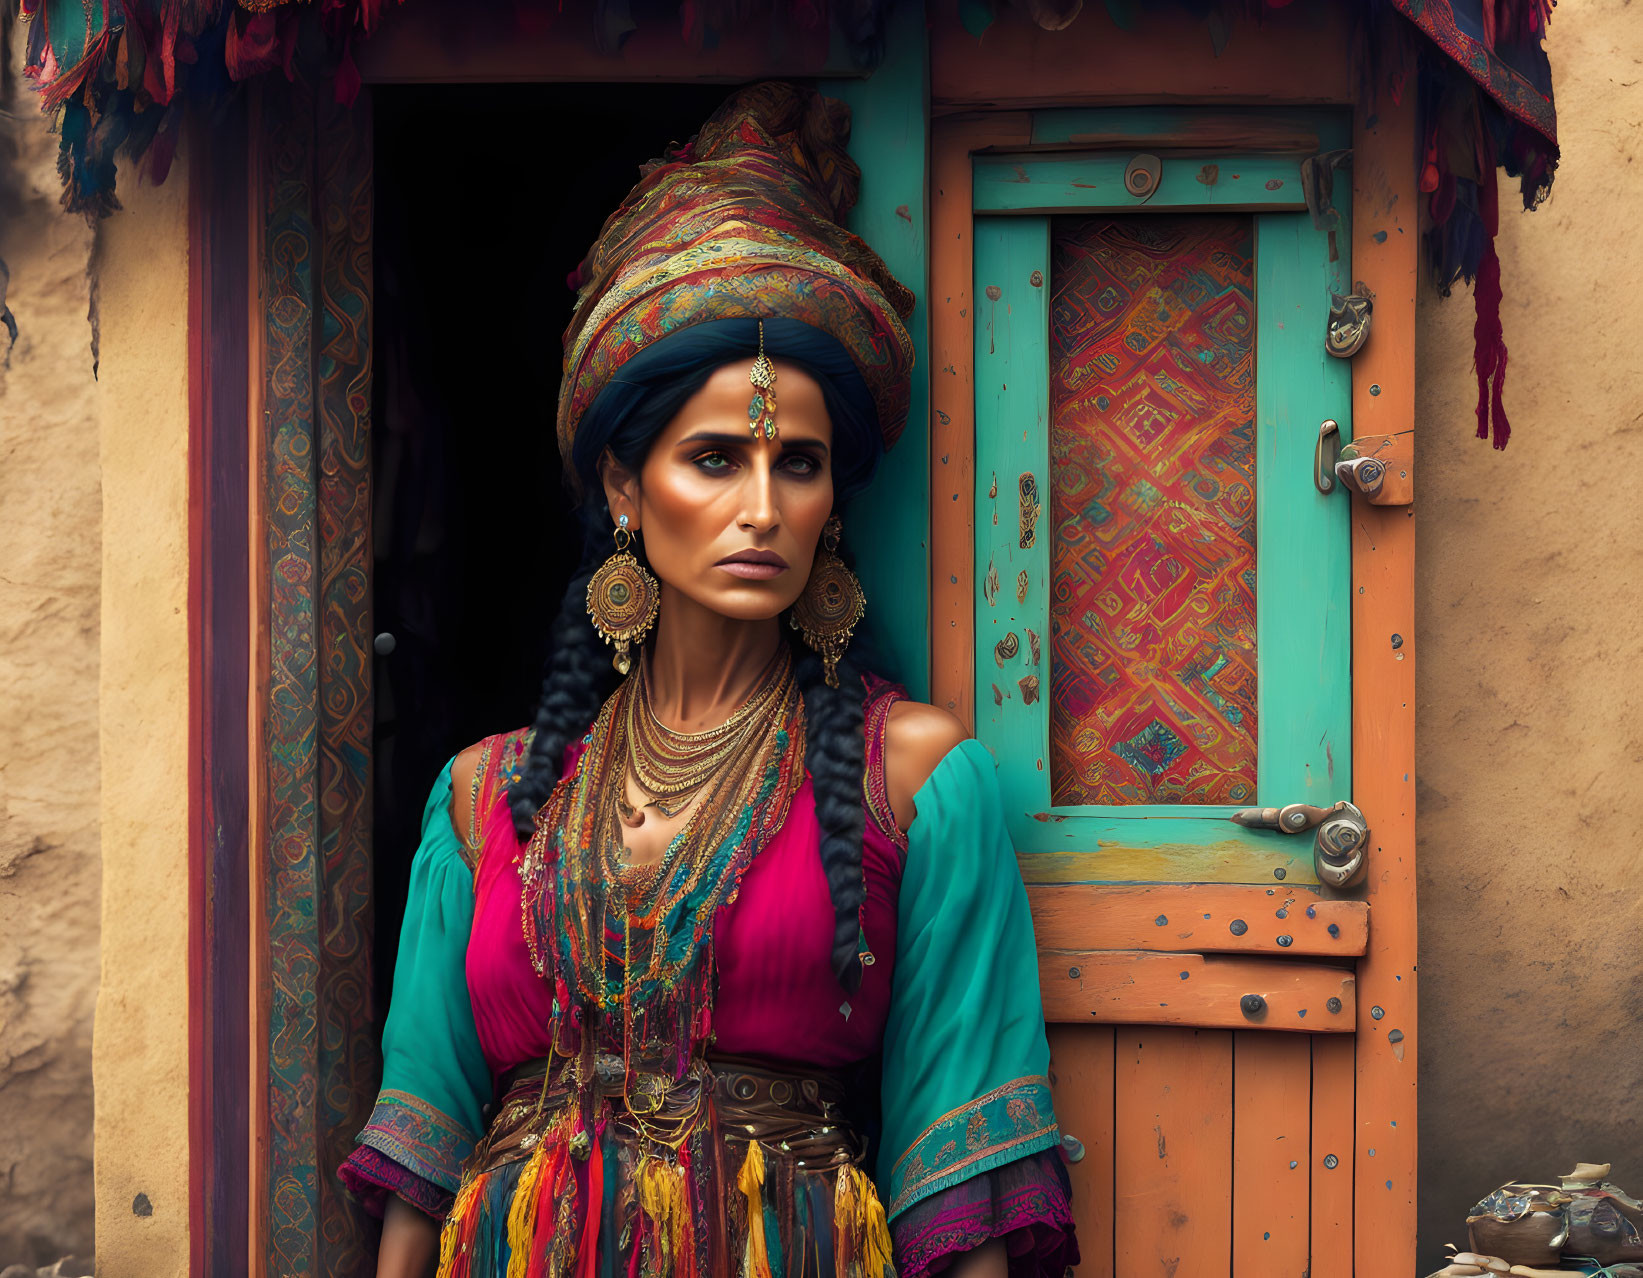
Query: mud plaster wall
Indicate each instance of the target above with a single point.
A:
(50, 521)
(1530, 710)
(140, 1053)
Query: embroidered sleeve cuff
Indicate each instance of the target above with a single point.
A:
(371, 1176)
(1026, 1203)
(420, 1138)
(1008, 1123)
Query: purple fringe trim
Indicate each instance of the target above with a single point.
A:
(371, 1176)
(1026, 1203)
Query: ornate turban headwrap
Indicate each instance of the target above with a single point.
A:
(741, 224)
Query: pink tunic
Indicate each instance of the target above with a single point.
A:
(778, 1000)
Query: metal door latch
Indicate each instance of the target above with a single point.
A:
(1340, 849)
(1349, 321)
(1380, 468)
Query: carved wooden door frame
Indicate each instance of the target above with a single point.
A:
(284, 1048)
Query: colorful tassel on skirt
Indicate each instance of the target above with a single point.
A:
(756, 1260)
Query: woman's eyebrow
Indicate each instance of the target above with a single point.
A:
(738, 441)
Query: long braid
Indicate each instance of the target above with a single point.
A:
(835, 754)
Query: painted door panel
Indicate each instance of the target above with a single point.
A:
(1303, 574)
(1205, 1151)
(1201, 986)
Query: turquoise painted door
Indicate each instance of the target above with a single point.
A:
(1162, 640)
(1163, 619)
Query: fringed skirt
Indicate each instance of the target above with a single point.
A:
(732, 1170)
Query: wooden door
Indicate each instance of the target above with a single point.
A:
(1162, 637)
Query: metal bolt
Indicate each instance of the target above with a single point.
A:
(1252, 1005)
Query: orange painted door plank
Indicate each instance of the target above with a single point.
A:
(1200, 917)
(1081, 1077)
(953, 400)
(1334, 1063)
(1173, 1153)
(1129, 987)
(1271, 1117)
(1385, 232)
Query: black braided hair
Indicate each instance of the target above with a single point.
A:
(579, 677)
(835, 753)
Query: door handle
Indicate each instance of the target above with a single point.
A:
(1325, 455)
(1340, 848)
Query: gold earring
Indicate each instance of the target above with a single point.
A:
(761, 409)
(623, 599)
(832, 605)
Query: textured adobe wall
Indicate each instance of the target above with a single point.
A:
(1530, 710)
(49, 548)
(140, 1051)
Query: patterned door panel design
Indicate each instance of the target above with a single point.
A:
(1152, 510)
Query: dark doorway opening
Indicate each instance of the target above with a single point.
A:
(486, 198)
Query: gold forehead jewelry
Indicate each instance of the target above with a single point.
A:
(761, 409)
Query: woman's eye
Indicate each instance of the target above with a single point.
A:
(800, 464)
(714, 463)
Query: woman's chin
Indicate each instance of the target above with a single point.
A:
(748, 601)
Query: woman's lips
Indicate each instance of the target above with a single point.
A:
(754, 565)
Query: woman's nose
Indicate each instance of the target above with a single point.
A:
(758, 501)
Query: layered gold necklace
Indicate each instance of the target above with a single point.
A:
(621, 934)
(670, 767)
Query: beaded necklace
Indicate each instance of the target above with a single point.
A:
(626, 940)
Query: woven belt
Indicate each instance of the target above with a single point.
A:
(799, 1114)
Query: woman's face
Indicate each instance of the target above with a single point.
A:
(730, 521)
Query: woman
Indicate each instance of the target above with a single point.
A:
(734, 911)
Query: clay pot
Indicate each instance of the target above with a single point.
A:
(1521, 1223)
(1605, 1223)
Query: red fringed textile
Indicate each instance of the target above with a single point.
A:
(260, 42)
(587, 1256)
(1489, 343)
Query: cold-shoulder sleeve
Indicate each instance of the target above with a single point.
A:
(434, 1076)
(970, 1148)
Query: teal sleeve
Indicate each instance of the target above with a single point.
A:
(434, 1076)
(966, 1063)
